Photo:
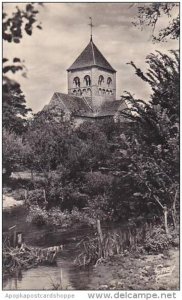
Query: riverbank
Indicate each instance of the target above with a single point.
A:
(138, 272)
(9, 202)
(127, 271)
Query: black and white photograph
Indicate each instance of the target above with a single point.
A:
(90, 147)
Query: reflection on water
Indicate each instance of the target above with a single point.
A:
(41, 278)
(62, 276)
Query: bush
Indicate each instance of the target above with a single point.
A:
(98, 183)
(82, 217)
(37, 216)
(14, 152)
(55, 217)
(36, 197)
(157, 240)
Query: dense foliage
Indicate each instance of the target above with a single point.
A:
(14, 150)
(108, 171)
(21, 21)
(155, 145)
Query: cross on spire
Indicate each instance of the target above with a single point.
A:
(91, 26)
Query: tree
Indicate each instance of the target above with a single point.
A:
(47, 138)
(98, 188)
(57, 147)
(14, 105)
(154, 147)
(14, 151)
(94, 145)
(149, 14)
(163, 77)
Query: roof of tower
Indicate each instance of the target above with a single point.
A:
(91, 56)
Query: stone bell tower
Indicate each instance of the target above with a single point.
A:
(92, 77)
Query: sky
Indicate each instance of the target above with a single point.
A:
(49, 52)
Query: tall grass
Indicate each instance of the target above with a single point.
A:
(148, 238)
(115, 241)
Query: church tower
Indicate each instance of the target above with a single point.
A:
(92, 77)
(91, 90)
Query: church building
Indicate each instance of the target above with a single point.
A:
(91, 89)
(92, 76)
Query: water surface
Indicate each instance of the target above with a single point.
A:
(64, 275)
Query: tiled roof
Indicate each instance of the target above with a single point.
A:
(91, 56)
(80, 107)
(68, 103)
(110, 108)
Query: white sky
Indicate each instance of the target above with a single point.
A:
(49, 52)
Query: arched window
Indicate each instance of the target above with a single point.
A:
(100, 91)
(79, 92)
(101, 80)
(76, 82)
(107, 92)
(109, 81)
(89, 92)
(74, 92)
(84, 92)
(103, 91)
(87, 80)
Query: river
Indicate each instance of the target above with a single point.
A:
(65, 274)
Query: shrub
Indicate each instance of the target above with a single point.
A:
(55, 217)
(37, 216)
(98, 183)
(36, 197)
(157, 240)
(82, 217)
(58, 218)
